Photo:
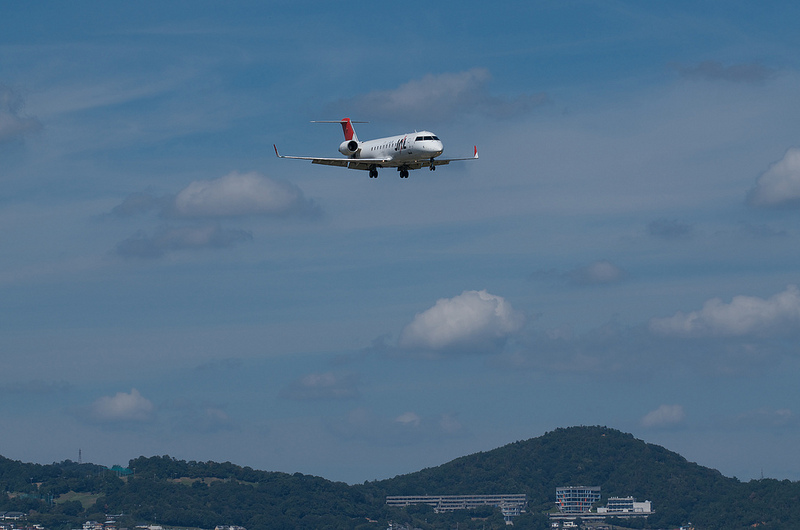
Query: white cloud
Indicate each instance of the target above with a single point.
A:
(122, 407)
(328, 385)
(238, 194)
(443, 95)
(13, 125)
(745, 315)
(230, 196)
(473, 320)
(410, 419)
(233, 195)
(597, 273)
(664, 416)
(780, 184)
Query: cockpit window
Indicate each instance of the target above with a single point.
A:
(418, 139)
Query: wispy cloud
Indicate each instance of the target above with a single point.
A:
(406, 428)
(716, 71)
(14, 125)
(140, 203)
(327, 385)
(234, 195)
(779, 186)
(197, 416)
(600, 272)
(664, 416)
(169, 238)
(443, 96)
(609, 348)
(35, 387)
(767, 418)
(218, 365)
(199, 208)
(669, 229)
(596, 273)
(642, 350)
(240, 194)
(744, 315)
(409, 419)
(474, 321)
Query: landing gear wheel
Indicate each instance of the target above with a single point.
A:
(373, 173)
(403, 173)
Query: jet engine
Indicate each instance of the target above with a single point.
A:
(349, 148)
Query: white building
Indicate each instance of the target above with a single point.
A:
(626, 506)
(512, 505)
(449, 503)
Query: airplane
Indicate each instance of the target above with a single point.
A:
(406, 151)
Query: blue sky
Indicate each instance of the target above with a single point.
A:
(624, 253)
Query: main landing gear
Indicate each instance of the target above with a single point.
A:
(373, 172)
(403, 172)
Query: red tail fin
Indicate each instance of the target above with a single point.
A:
(347, 129)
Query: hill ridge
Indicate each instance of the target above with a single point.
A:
(206, 494)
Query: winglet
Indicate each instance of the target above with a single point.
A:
(476, 152)
(276, 150)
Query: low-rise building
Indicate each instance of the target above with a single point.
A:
(626, 506)
(511, 505)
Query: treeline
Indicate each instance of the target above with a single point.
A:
(224, 494)
(172, 492)
(49, 479)
(34, 488)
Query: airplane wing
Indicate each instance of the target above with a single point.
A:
(352, 163)
(445, 161)
(367, 163)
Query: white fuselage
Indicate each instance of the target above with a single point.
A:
(412, 146)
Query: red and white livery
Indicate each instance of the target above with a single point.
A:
(405, 152)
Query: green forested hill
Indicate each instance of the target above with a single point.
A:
(204, 494)
(621, 465)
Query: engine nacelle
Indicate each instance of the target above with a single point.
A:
(349, 148)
